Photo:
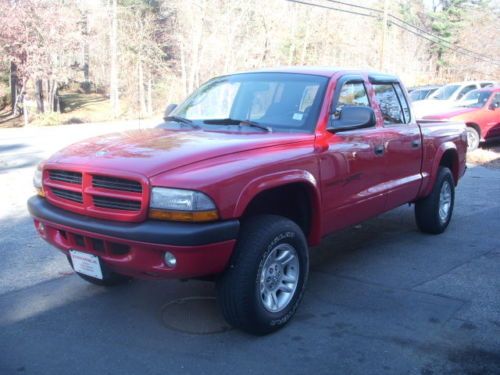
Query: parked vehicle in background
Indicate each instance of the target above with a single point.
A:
(480, 110)
(241, 178)
(422, 93)
(447, 97)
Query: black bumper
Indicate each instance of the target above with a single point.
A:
(152, 231)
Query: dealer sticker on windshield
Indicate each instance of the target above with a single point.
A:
(87, 264)
(298, 116)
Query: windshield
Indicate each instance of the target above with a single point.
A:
(280, 101)
(419, 94)
(445, 92)
(475, 99)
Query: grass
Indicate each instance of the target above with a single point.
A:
(487, 156)
(77, 108)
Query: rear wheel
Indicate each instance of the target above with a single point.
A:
(473, 138)
(263, 286)
(433, 213)
(109, 278)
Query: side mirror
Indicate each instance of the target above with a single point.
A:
(494, 105)
(353, 117)
(169, 110)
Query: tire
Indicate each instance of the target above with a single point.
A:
(110, 278)
(429, 217)
(245, 290)
(473, 138)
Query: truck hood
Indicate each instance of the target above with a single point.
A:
(152, 151)
(457, 111)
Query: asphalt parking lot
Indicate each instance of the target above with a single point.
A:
(382, 298)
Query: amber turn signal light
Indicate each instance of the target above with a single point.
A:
(194, 216)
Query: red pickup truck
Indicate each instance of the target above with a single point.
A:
(241, 178)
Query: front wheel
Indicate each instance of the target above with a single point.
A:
(263, 286)
(433, 213)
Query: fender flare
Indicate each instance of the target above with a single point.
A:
(270, 181)
(441, 150)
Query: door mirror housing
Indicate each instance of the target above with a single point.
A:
(352, 117)
(494, 105)
(169, 110)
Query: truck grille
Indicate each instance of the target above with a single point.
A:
(116, 203)
(66, 176)
(68, 195)
(115, 183)
(103, 196)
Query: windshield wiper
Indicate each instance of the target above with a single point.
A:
(182, 120)
(230, 121)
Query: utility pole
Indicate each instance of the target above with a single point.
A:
(384, 36)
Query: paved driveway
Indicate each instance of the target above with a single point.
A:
(382, 298)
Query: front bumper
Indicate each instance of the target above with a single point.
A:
(137, 249)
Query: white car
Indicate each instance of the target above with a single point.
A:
(446, 97)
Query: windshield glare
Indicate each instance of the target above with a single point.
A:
(282, 101)
(475, 99)
(445, 92)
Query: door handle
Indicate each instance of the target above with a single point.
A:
(379, 150)
(416, 143)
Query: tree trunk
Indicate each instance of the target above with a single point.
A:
(183, 70)
(86, 51)
(150, 96)
(39, 96)
(114, 95)
(304, 47)
(142, 99)
(13, 88)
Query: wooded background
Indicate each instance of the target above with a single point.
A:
(143, 54)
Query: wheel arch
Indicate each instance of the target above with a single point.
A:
(449, 159)
(446, 155)
(292, 194)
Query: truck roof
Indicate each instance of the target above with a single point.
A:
(325, 71)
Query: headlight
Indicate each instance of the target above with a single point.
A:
(37, 180)
(181, 205)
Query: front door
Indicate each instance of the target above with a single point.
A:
(353, 166)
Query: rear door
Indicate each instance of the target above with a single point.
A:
(402, 143)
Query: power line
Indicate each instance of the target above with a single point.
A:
(444, 43)
(356, 6)
(437, 37)
(332, 8)
(448, 47)
(410, 25)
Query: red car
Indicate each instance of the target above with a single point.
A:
(239, 181)
(479, 109)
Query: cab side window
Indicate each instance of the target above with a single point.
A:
(389, 104)
(353, 93)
